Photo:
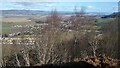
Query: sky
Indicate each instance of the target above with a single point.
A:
(59, 0)
(61, 6)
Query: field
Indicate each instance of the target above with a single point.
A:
(9, 22)
(102, 21)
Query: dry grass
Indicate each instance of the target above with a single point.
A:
(15, 20)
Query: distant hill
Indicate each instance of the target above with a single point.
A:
(113, 15)
(46, 12)
(21, 12)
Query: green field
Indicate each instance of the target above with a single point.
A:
(103, 21)
(7, 26)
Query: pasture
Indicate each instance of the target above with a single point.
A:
(9, 22)
(102, 21)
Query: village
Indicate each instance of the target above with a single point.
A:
(14, 38)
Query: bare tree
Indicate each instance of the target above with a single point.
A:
(110, 38)
(47, 47)
(54, 18)
(18, 62)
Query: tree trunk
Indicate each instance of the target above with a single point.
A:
(18, 62)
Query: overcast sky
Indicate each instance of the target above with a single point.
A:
(61, 6)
